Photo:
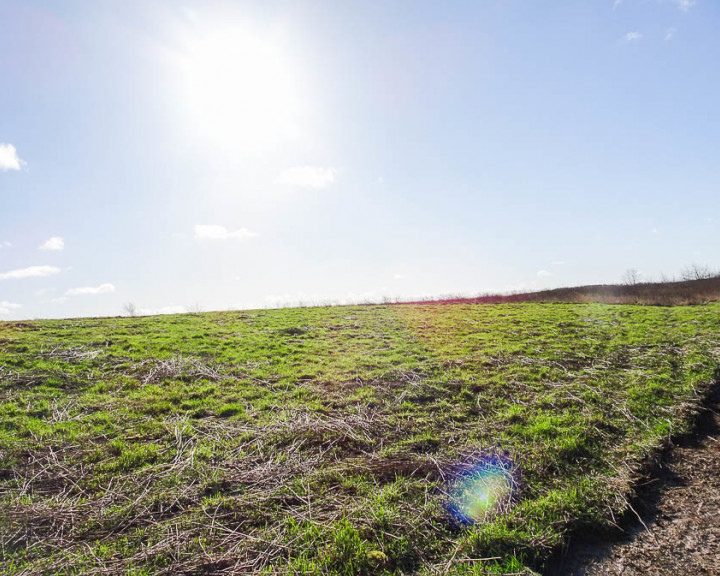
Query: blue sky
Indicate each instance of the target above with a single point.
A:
(250, 154)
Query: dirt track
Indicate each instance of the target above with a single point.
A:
(681, 510)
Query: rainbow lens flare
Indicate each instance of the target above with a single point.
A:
(482, 489)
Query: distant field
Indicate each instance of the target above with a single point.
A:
(327, 440)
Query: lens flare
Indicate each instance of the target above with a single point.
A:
(482, 489)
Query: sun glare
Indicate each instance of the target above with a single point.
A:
(240, 89)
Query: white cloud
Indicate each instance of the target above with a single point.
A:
(5, 244)
(398, 276)
(54, 243)
(314, 177)
(544, 274)
(7, 307)
(190, 14)
(670, 33)
(684, 5)
(558, 262)
(9, 160)
(44, 291)
(85, 290)
(172, 309)
(29, 272)
(633, 36)
(215, 232)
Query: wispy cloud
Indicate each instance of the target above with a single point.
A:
(669, 33)
(55, 243)
(684, 5)
(314, 177)
(215, 232)
(7, 307)
(633, 36)
(543, 274)
(29, 272)
(5, 244)
(91, 290)
(9, 159)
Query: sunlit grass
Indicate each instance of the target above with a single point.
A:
(334, 440)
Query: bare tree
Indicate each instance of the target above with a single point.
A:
(631, 277)
(697, 272)
(194, 308)
(130, 309)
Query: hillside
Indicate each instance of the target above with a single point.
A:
(424, 439)
(672, 293)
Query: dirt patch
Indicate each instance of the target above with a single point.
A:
(678, 529)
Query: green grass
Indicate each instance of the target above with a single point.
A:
(319, 440)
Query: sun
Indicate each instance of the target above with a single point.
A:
(240, 88)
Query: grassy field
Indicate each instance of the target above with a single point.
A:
(334, 440)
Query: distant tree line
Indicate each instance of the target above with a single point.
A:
(694, 271)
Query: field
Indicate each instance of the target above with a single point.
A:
(335, 440)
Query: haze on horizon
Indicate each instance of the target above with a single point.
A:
(254, 153)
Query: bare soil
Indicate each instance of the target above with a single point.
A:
(678, 529)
